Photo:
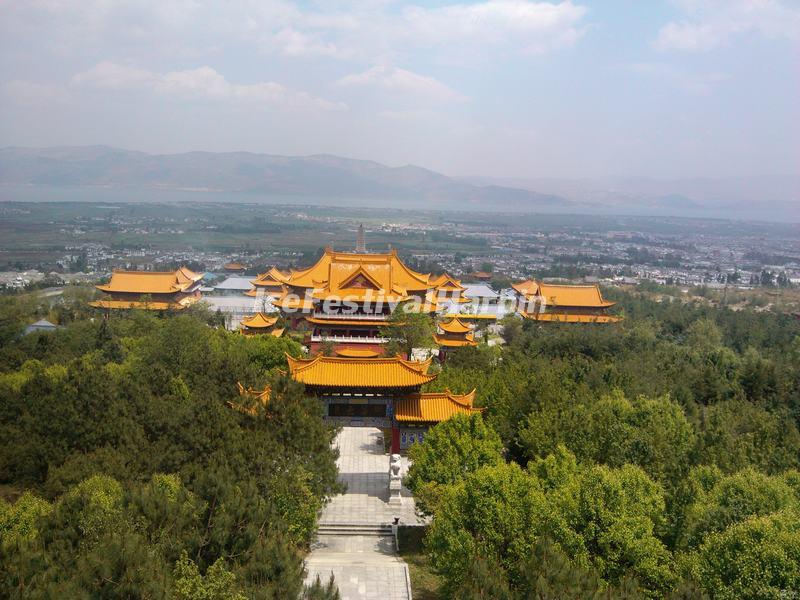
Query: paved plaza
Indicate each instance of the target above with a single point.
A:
(354, 542)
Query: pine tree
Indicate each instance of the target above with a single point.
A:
(485, 580)
(549, 575)
(322, 591)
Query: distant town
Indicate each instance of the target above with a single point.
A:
(88, 241)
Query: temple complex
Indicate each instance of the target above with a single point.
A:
(454, 334)
(448, 288)
(415, 414)
(379, 392)
(269, 284)
(261, 323)
(347, 297)
(234, 267)
(547, 302)
(151, 290)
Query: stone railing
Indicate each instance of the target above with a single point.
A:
(343, 316)
(348, 338)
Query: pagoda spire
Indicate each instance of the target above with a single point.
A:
(361, 246)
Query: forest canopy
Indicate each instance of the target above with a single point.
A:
(139, 479)
(655, 458)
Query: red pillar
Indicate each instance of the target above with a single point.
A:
(395, 439)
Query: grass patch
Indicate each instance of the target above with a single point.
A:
(425, 583)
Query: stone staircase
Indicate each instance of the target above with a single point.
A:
(354, 540)
(365, 529)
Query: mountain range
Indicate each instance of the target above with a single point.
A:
(764, 197)
(112, 174)
(264, 175)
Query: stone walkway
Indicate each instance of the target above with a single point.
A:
(354, 542)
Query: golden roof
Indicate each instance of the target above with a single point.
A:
(573, 295)
(234, 266)
(356, 353)
(277, 332)
(585, 296)
(335, 371)
(471, 316)
(259, 321)
(571, 318)
(272, 278)
(527, 288)
(445, 281)
(468, 340)
(337, 270)
(151, 282)
(455, 326)
(434, 407)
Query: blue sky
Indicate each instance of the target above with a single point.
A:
(506, 88)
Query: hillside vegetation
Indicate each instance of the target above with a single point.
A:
(130, 475)
(655, 458)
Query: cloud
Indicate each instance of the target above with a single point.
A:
(403, 82)
(202, 82)
(713, 23)
(338, 30)
(291, 42)
(533, 26)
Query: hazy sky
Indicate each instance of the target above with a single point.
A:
(502, 88)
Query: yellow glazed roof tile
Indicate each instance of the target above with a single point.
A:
(356, 353)
(259, 321)
(434, 407)
(573, 295)
(584, 296)
(455, 326)
(445, 342)
(446, 282)
(151, 282)
(335, 270)
(334, 371)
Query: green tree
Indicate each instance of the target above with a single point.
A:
(97, 430)
(512, 328)
(733, 499)
(737, 434)
(495, 511)
(704, 333)
(654, 434)
(451, 450)
(549, 575)
(613, 516)
(322, 591)
(408, 328)
(484, 580)
(19, 521)
(217, 584)
(757, 558)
